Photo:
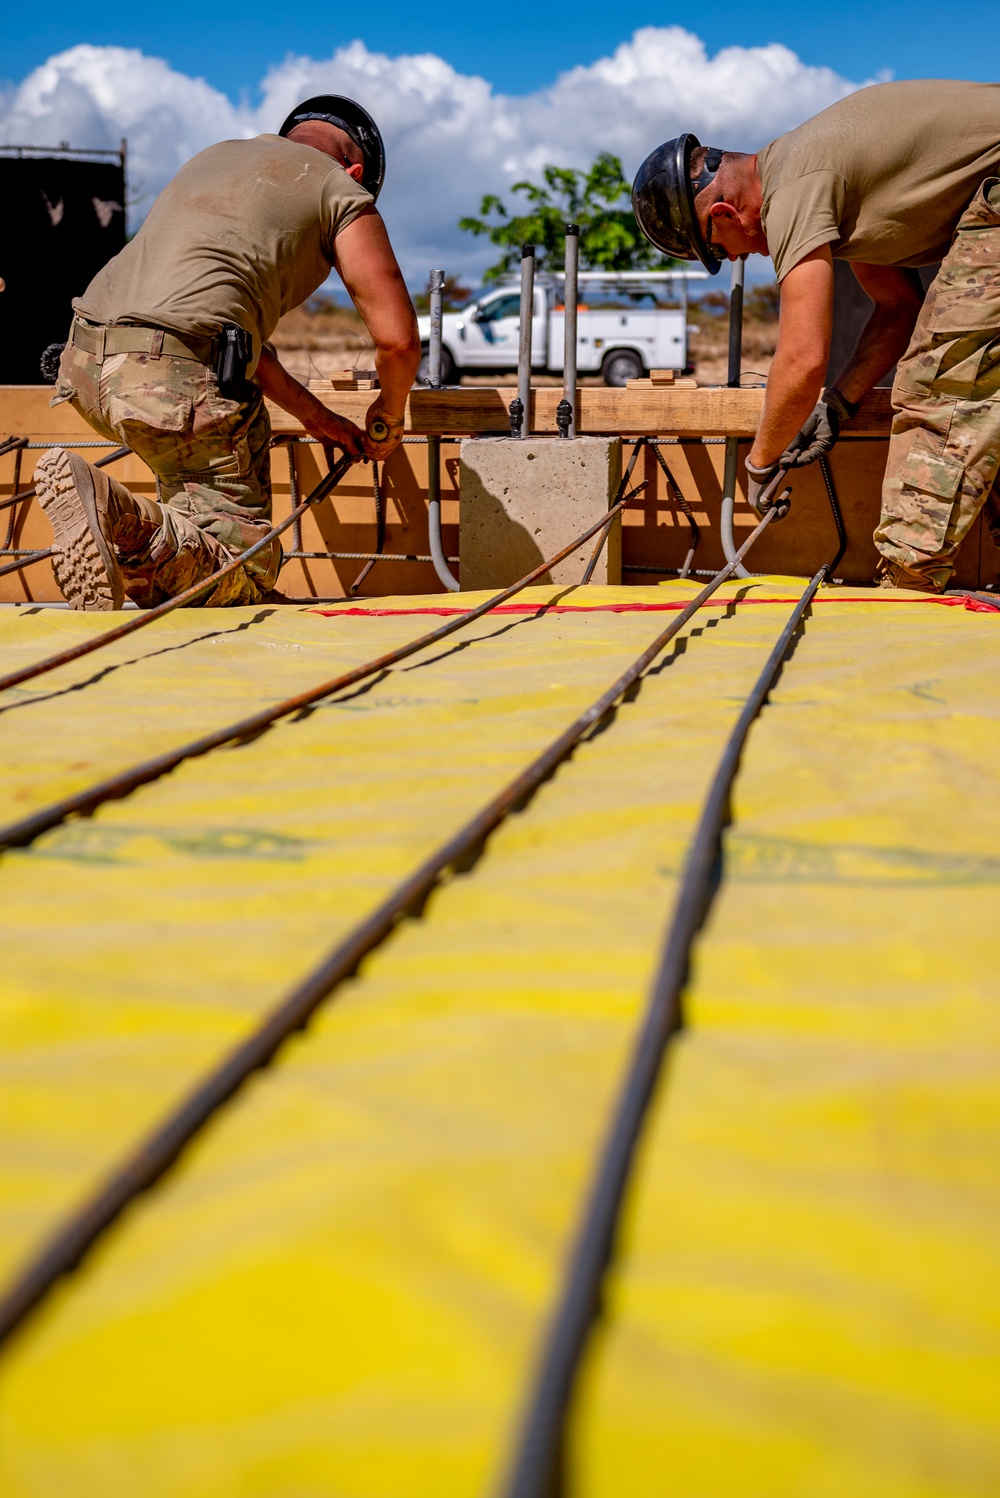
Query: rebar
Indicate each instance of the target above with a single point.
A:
(360, 556)
(538, 1456)
(21, 443)
(379, 534)
(29, 559)
(674, 490)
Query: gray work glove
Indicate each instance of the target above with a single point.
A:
(765, 487)
(820, 432)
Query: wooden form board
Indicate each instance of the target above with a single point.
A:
(709, 411)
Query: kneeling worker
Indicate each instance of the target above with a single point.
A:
(168, 354)
(893, 177)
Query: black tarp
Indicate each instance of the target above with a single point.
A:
(62, 220)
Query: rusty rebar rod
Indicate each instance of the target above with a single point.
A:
(539, 1451)
(28, 561)
(379, 534)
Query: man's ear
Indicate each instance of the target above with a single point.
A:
(356, 170)
(723, 210)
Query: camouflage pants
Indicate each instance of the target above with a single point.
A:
(211, 458)
(945, 446)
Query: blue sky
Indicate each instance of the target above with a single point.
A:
(482, 100)
(232, 46)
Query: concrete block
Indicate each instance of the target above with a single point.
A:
(524, 498)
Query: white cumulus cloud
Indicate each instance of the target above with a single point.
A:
(450, 136)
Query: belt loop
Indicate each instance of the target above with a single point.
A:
(156, 343)
(102, 334)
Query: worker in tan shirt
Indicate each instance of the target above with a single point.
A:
(893, 177)
(169, 354)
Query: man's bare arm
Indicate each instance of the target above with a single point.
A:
(898, 294)
(800, 360)
(282, 388)
(366, 264)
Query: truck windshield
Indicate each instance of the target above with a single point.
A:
(501, 306)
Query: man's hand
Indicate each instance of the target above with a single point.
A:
(763, 485)
(820, 432)
(335, 431)
(383, 431)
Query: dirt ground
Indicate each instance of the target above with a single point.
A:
(314, 340)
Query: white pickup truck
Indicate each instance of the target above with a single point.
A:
(623, 329)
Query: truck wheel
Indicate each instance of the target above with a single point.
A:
(620, 366)
(447, 368)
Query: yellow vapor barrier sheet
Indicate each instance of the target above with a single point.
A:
(343, 1286)
(806, 1299)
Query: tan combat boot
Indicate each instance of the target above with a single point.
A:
(84, 507)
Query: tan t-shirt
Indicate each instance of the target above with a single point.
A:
(883, 176)
(242, 234)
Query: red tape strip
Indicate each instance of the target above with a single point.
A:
(967, 601)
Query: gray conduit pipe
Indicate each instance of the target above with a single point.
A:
(732, 443)
(524, 341)
(444, 572)
(566, 410)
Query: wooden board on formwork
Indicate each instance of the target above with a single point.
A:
(706, 412)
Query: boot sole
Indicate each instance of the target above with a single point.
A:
(84, 563)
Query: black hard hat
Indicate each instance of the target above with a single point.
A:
(356, 122)
(663, 195)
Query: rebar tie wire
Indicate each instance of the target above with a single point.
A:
(19, 834)
(539, 1457)
(154, 1156)
(190, 595)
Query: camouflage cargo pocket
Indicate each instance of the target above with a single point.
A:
(965, 294)
(924, 502)
(140, 392)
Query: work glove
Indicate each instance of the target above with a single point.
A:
(820, 432)
(383, 431)
(763, 485)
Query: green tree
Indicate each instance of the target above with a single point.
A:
(599, 200)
